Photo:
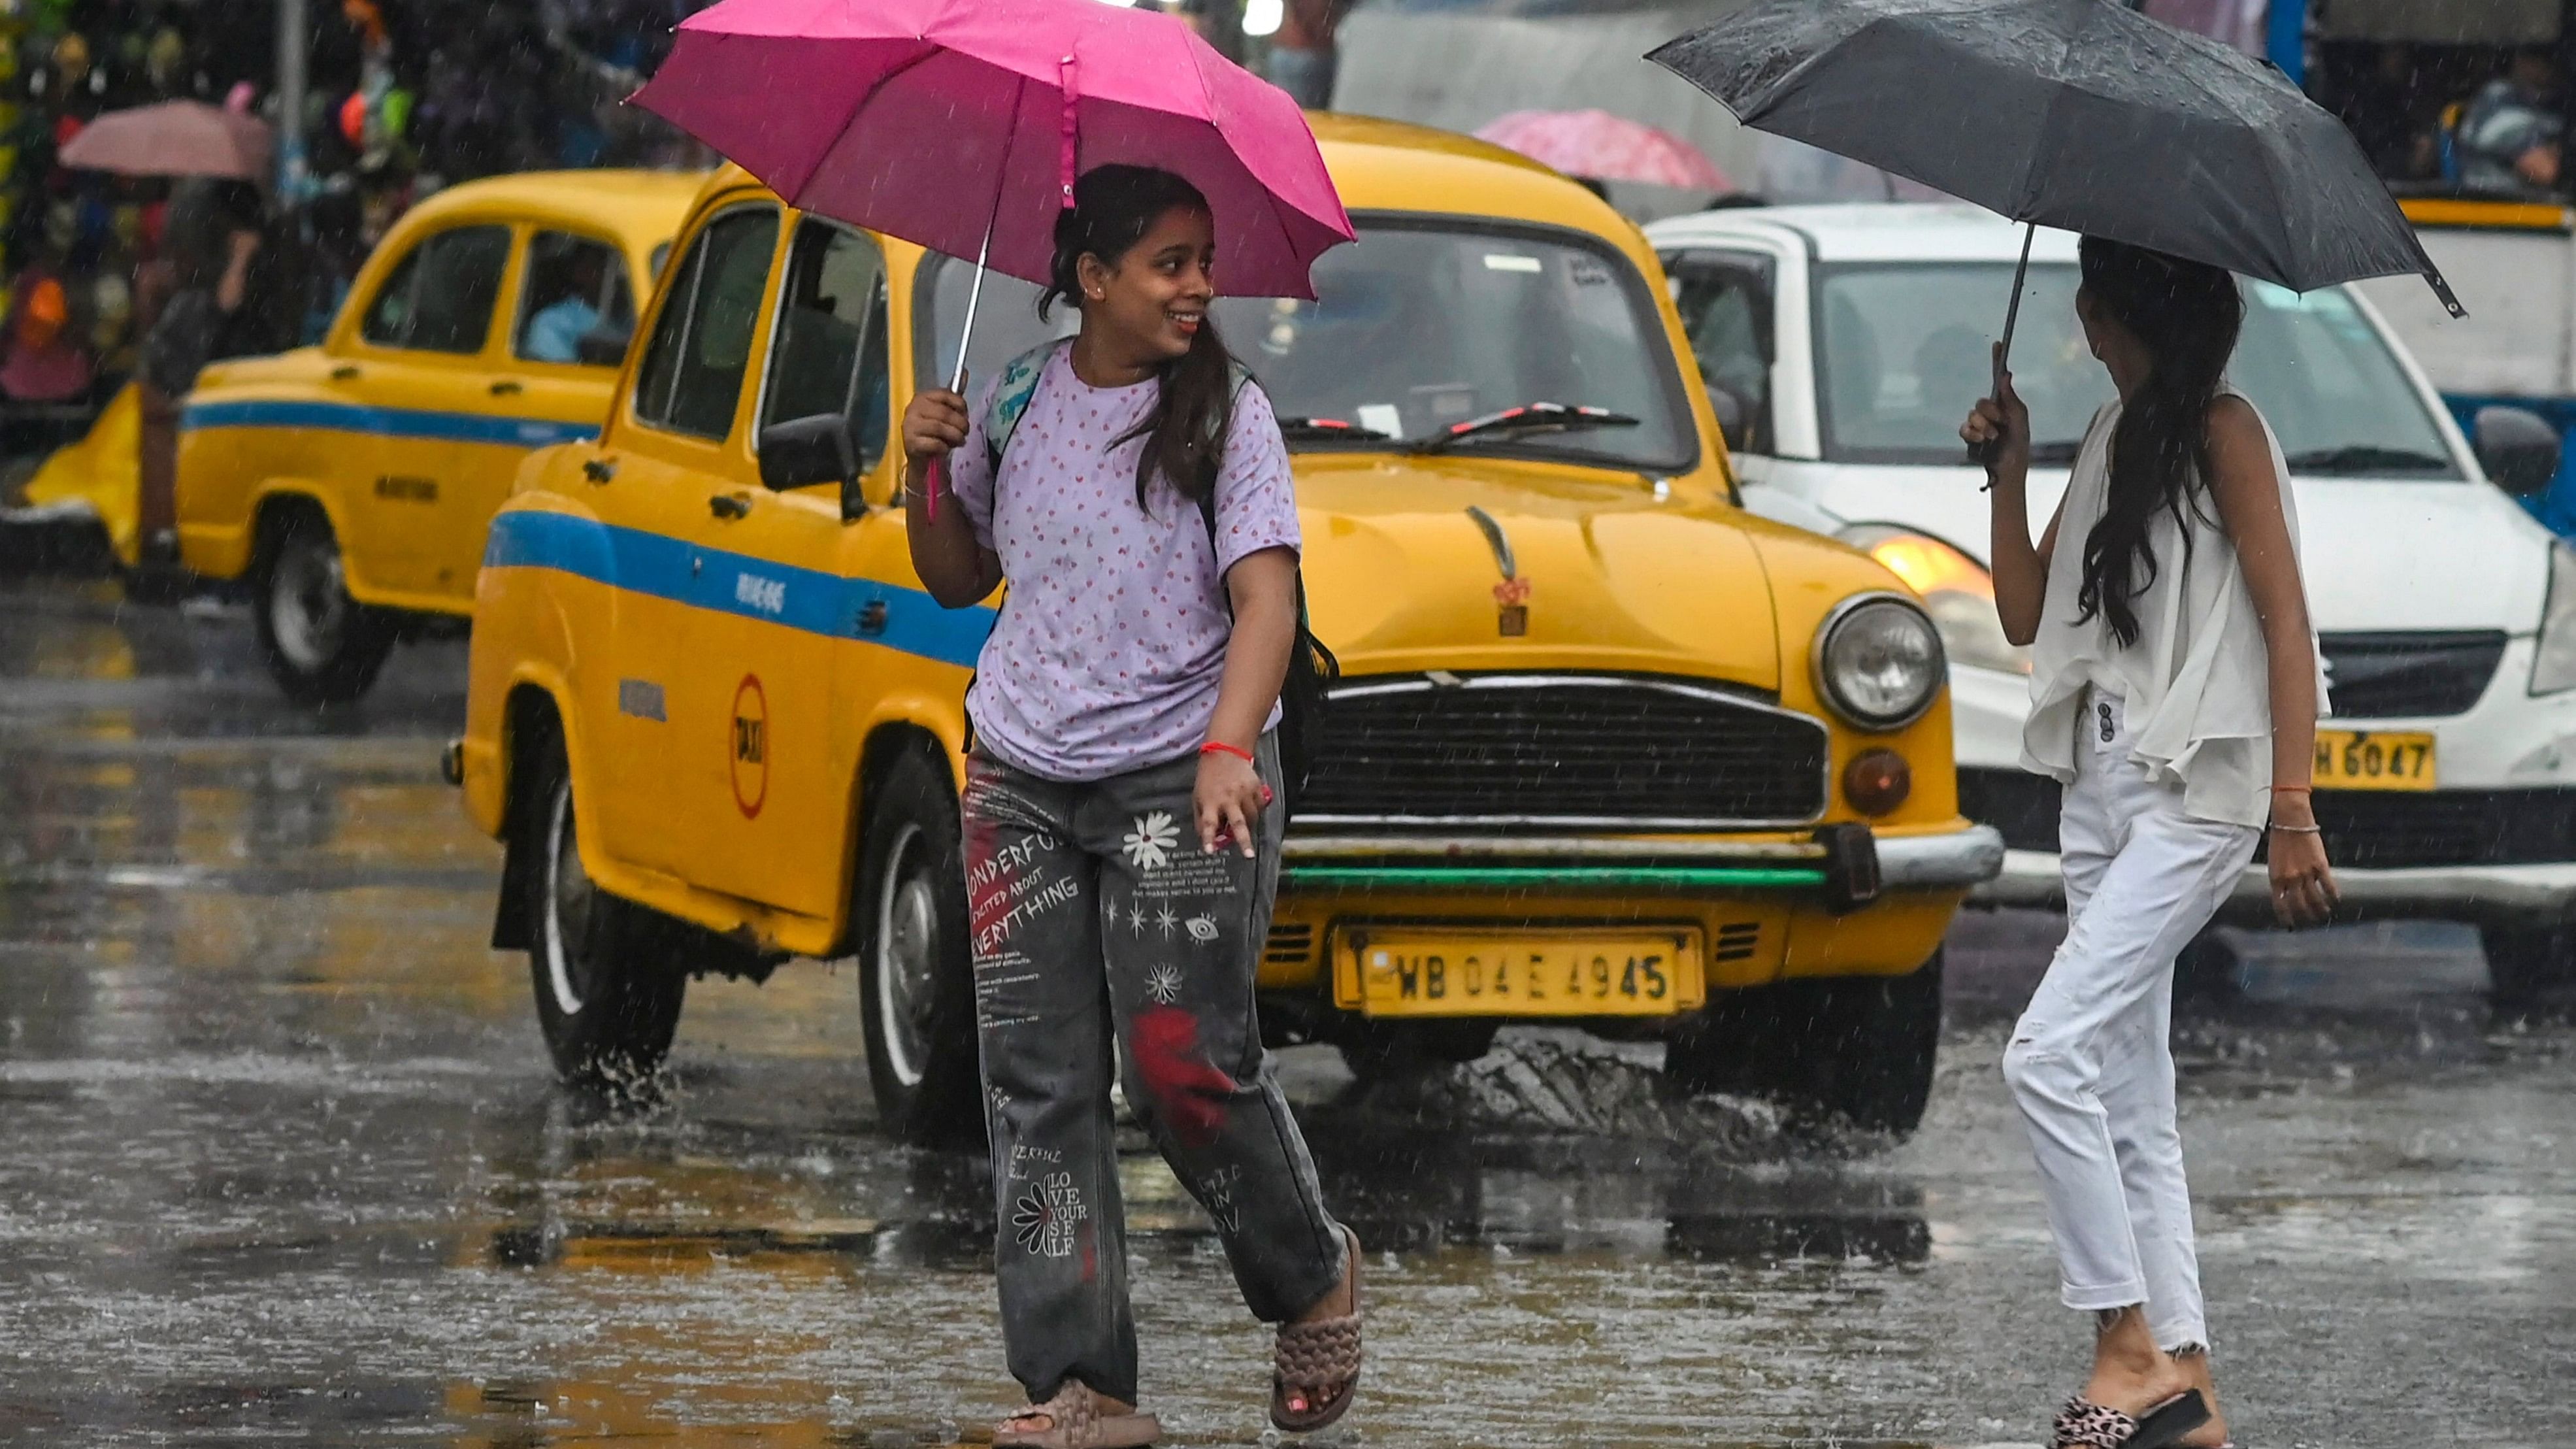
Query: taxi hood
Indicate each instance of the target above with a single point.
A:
(1414, 563)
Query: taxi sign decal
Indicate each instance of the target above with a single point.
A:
(748, 743)
(632, 560)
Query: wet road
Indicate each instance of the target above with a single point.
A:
(280, 1162)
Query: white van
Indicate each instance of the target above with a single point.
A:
(1844, 344)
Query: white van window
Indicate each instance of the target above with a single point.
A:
(1903, 351)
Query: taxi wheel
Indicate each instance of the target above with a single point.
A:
(2530, 969)
(323, 646)
(1860, 1047)
(608, 978)
(916, 983)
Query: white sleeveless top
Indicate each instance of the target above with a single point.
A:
(2196, 684)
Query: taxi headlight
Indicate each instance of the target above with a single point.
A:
(1878, 661)
(1957, 592)
(2553, 664)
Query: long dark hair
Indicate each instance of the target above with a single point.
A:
(2187, 314)
(1113, 207)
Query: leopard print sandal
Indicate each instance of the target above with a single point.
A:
(2083, 1424)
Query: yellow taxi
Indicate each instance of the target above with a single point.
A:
(352, 481)
(1607, 750)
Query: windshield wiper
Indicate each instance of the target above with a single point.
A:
(1537, 417)
(1330, 430)
(2357, 458)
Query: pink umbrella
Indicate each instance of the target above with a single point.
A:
(174, 138)
(1606, 147)
(961, 125)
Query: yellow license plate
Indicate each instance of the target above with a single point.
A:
(1521, 972)
(2374, 760)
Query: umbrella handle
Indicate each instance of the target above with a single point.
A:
(1989, 454)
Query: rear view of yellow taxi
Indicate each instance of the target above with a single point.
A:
(1607, 750)
(352, 482)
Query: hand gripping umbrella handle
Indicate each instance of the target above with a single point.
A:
(1989, 454)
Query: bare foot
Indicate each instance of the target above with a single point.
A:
(2130, 1373)
(2195, 1366)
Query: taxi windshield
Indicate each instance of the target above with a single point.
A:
(1902, 354)
(1416, 328)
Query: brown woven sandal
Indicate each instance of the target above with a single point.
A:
(1321, 1358)
(1075, 1421)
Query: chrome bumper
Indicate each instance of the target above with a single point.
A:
(1950, 860)
(2452, 893)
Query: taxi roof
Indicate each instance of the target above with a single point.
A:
(1380, 165)
(1875, 231)
(643, 207)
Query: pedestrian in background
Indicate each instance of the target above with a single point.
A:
(1133, 489)
(216, 309)
(2175, 691)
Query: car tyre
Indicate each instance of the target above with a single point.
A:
(916, 976)
(2530, 969)
(609, 975)
(1860, 1047)
(323, 646)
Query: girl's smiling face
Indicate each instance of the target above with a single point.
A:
(1151, 301)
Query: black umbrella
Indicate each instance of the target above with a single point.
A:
(2079, 114)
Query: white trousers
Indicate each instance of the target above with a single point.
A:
(2091, 1062)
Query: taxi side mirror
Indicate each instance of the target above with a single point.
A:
(2519, 449)
(801, 452)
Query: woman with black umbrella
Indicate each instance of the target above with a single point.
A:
(2174, 693)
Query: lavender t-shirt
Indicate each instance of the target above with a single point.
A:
(1111, 643)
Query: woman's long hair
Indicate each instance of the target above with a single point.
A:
(1113, 207)
(2187, 314)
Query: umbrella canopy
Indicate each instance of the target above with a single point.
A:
(946, 122)
(2079, 114)
(173, 138)
(1610, 148)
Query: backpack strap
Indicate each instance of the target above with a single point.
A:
(1011, 399)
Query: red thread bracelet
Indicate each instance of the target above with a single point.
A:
(1220, 747)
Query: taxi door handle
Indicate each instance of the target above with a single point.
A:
(507, 387)
(344, 372)
(727, 506)
(598, 470)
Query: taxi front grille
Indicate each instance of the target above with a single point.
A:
(1572, 751)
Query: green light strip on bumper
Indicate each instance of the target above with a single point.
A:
(1578, 877)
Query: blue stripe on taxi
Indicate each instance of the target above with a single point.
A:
(387, 422)
(734, 583)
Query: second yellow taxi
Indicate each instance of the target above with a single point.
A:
(351, 482)
(1607, 750)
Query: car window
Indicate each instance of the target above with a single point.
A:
(701, 345)
(439, 297)
(828, 352)
(1902, 353)
(1725, 302)
(1416, 327)
(576, 305)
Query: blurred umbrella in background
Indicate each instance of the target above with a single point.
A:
(1603, 147)
(174, 138)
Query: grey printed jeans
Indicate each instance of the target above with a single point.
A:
(1094, 909)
